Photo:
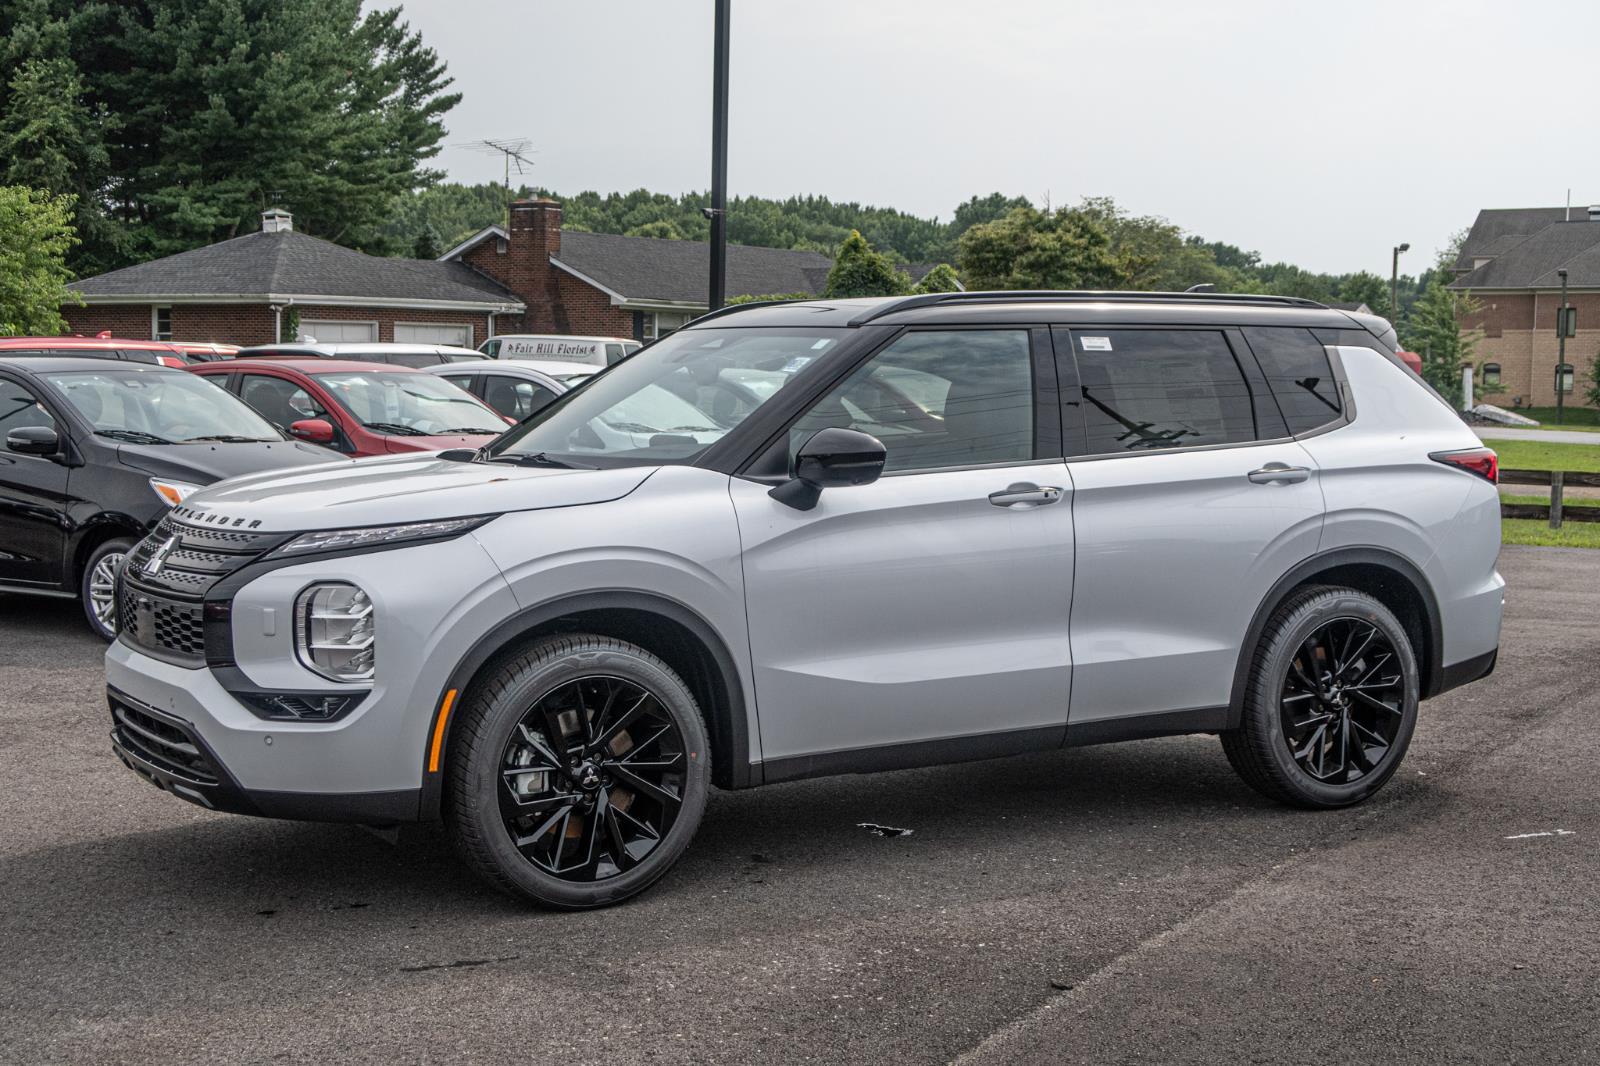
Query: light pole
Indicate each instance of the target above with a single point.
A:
(1561, 344)
(719, 157)
(1394, 282)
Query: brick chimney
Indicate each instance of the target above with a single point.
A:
(535, 237)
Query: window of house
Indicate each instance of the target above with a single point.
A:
(161, 323)
(1299, 375)
(1147, 389)
(1491, 375)
(937, 399)
(661, 323)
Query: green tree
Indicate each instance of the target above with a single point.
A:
(1592, 393)
(942, 278)
(1364, 287)
(35, 236)
(427, 244)
(1433, 330)
(1033, 249)
(860, 271)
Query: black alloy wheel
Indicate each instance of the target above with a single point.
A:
(592, 778)
(1330, 701)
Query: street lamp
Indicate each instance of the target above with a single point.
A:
(1394, 281)
(719, 156)
(1562, 328)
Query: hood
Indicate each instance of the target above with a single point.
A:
(396, 489)
(399, 445)
(208, 462)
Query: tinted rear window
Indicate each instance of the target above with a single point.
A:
(1148, 389)
(1297, 369)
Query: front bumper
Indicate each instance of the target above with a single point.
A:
(166, 751)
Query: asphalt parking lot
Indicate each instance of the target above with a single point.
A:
(1133, 903)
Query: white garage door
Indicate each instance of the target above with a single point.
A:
(333, 332)
(460, 336)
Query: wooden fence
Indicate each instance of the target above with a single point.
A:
(1556, 481)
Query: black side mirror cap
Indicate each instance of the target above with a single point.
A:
(831, 458)
(34, 440)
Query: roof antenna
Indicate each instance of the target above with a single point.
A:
(514, 150)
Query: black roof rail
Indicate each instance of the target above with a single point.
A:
(908, 303)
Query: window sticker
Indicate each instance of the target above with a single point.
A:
(795, 364)
(1095, 344)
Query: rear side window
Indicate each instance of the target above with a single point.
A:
(413, 359)
(1148, 389)
(1299, 375)
(83, 353)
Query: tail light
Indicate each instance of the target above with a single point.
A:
(1481, 461)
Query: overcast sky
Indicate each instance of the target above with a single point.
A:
(1321, 134)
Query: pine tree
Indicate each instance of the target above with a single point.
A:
(942, 278)
(860, 271)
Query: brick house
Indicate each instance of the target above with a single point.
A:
(1509, 263)
(532, 278)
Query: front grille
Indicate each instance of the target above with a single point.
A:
(162, 742)
(161, 597)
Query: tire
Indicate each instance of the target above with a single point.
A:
(100, 566)
(1334, 675)
(572, 829)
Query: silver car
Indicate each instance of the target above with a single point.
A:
(823, 538)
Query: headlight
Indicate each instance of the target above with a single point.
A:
(376, 536)
(172, 493)
(335, 632)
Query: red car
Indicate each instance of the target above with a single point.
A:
(361, 409)
(102, 346)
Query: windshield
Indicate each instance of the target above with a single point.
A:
(156, 407)
(409, 404)
(673, 400)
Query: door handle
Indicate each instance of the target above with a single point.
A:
(1025, 494)
(1279, 473)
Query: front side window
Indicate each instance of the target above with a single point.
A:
(672, 401)
(491, 348)
(279, 400)
(937, 399)
(615, 353)
(1299, 375)
(19, 409)
(409, 404)
(515, 397)
(1148, 389)
(160, 407)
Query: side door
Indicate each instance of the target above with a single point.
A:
(924, 617)
(33, 494)
(1191, 500)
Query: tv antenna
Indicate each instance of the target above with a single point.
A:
(514, 150)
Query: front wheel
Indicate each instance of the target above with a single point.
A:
(98, 586)
(577, 773)
(1331, 701)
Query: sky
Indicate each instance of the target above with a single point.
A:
(1318, 134)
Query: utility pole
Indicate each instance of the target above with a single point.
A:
(1394, 283)
(1561, 345)
(718, 212)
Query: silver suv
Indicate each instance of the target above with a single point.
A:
(830, 537)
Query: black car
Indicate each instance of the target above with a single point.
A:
(96, 452)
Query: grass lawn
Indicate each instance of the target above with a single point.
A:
(1583, 418)
(1569, 502)
(1537, 455)
(1536, 531)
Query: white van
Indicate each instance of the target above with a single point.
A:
(597, 351)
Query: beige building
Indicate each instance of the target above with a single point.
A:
(1510, 263)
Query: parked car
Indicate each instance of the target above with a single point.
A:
(205, 351)
(356, 408)
(104, 346)
(412, 355)
(599, 351)
(960, 526)
(516, 388)
(96, 452)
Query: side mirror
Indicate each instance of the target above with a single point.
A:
(832, 458)
(313, 430)
(34, 440)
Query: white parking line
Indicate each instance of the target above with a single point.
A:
(1546, 833)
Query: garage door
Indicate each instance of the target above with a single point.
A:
(331, 332)
(461, 336)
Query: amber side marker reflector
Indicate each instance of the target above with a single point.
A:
(438, 731)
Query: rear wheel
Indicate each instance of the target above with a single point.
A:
(1331, 701)
(577, 773)
(98, 586)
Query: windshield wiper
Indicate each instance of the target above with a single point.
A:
(538, 459)
(132, 436)
(469, 429)
(396, 428)
(229, 438)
